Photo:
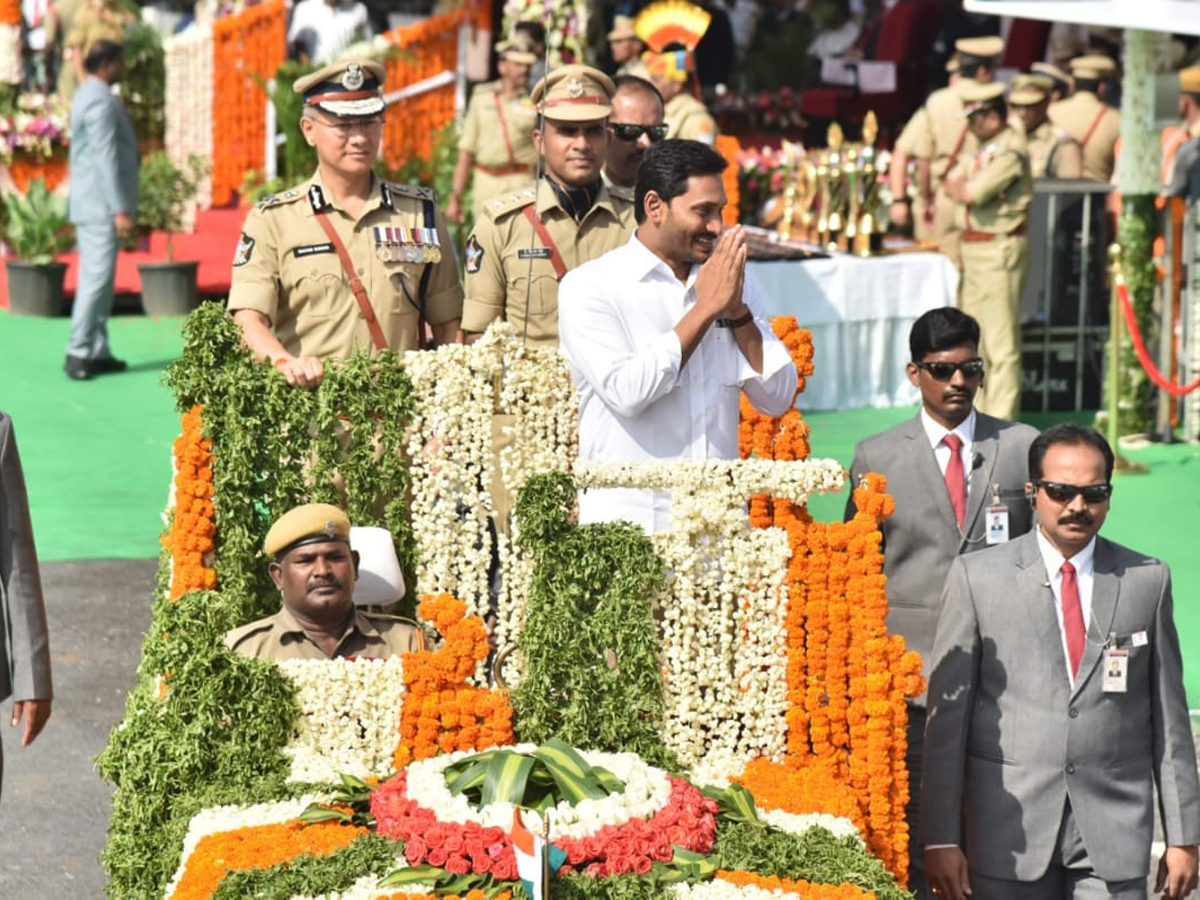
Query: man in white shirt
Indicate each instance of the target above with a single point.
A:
(663, 334)
(1057, 710)
(327, 27)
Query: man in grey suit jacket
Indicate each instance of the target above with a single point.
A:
(1056, 706)
(24, 647)
(924, 535)
(102, 204)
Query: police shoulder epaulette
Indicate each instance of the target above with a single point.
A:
(235, 636)
(620, 192)
(276, 199)
(503, 205)
(415, 191)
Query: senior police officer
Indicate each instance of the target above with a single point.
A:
(496, 152)
(993, 189)
(314, 569)
(1088, 119)
(1052, 152)
(527, 241)
(344, 262)
(937, 138)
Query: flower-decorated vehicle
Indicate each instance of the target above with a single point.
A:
(714, 711)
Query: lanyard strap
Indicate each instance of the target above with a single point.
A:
(356, 285)
(556, 260)
(512, 157)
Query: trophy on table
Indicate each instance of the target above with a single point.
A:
(799, 194)
(870, 226)
(830, 177)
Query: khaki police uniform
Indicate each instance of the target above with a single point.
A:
(367, 636)
(286, 268)
(910, 139)
(511, 271)
(995, 260)
(689, 119)
(1053, 153)
(1090, 121)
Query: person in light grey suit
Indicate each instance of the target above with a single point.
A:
(102, 204)
(24, 646)
(1057, 706)
(924, 535)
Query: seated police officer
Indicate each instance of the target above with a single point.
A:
(315, 570)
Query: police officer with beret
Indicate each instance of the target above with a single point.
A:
(315, 570)
(529, 239)
(344, 262)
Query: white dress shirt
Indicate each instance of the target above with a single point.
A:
(937, 433)
(1085, 572)
(637, 399)
(328, 30)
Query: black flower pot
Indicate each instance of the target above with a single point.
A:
(36, 289)
(169, 289)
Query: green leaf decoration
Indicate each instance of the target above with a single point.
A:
(506, 778)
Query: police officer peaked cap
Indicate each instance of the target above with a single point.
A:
(982, 47)
(1026, 95)
(1093, 66)
(574, 94)
(980, 97)
(516, 51)
(1054, 73)
(1189, 80)
(353, 87)
(1033, 80)
(311, 523)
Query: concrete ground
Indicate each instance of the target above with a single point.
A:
(55, 807)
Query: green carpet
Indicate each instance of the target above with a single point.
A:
(97, 459)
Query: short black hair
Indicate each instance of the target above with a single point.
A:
(943, 328)
(101, 54)
(535, 30)
(1073, 435)
(668, 165)
(1088, 84)
(999, 106)
(969, 65)
(1195, 95)
(636, 83)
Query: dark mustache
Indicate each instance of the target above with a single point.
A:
(331, 581)
(1079, 518)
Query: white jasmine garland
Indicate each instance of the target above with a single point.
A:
(838, 826)
(215, 819)
(647, 791)
(725, 890)
(366, 888)
(188, 60)
(349, 717)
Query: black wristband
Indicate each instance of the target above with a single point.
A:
(738, 323)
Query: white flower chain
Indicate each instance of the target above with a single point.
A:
(349, 717)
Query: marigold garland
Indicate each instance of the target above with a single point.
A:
(441, 712)
(800, 887)
(256, 847)
(190, 539)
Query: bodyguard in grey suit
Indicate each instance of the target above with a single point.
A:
(1056, 706)
(24, 647)
(102, 204)
(924, 535)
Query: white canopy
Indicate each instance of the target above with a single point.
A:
(1171, 16)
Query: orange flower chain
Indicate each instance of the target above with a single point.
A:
(441, 712)
(257, 847)
(847, 678)
(190, 539)
(802, 888)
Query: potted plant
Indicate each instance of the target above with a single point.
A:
(164, 192)
(36, 231)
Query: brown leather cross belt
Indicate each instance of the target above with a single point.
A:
(976, 237)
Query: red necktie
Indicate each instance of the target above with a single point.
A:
(956, 481)
(1072, 617)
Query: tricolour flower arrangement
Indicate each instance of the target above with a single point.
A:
(746, 655)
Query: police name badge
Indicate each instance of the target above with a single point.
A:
(997, 524)
(1116, 671)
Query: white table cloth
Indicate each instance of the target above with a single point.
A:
(859, 312)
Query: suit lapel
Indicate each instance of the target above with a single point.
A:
(927, 472)
(1036, 596)
(985, 450)
(1106, 588)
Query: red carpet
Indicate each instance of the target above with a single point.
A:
(211, 245)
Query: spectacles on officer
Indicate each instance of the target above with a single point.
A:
(944, 371)
(345, 130)
(1060, 492)
(631, 133)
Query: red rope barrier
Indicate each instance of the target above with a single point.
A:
(1139, 347)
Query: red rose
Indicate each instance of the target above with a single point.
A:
(435, 836)
(474, 847)
(663, 852)
(505, 869)
(415, 850)
(482, 864)
(457, 864)
(677, 834)
(641, 864)
(453, 842)
(437, 856)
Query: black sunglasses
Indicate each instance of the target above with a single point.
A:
(944, 371)
(1065, 493)
(633, 132)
